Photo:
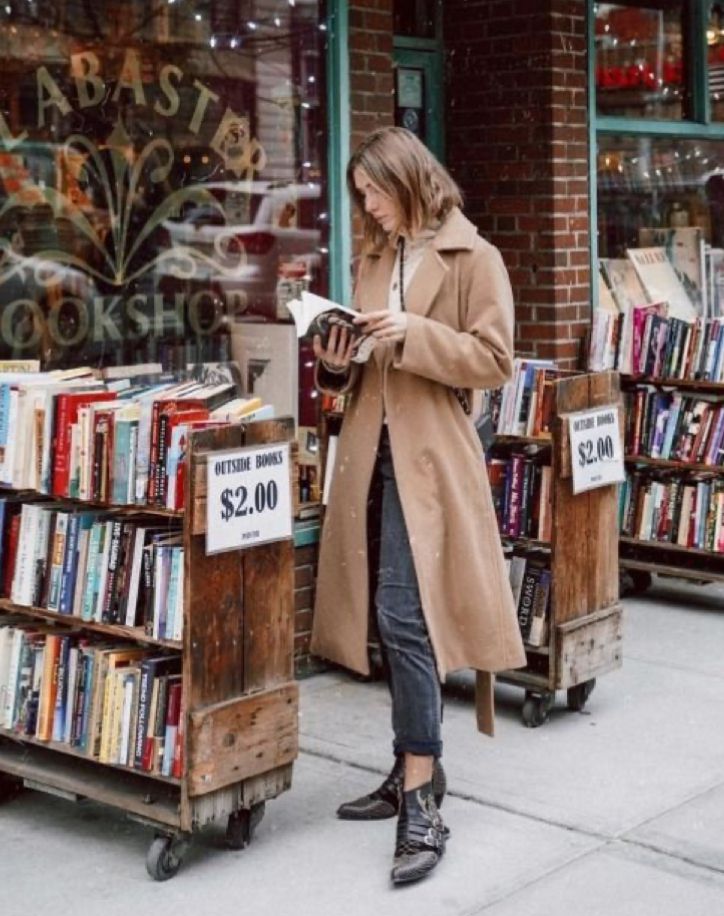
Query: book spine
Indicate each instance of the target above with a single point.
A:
(112, 571)
(61, 457)
(68, 580)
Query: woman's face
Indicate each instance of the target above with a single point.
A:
(379, 205)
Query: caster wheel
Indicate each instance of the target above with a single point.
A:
(536, 708)
(164, 857)
(242, 824)
(578, 696)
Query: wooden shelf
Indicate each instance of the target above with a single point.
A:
(678, 572)
(693, 384)
(543, 441)
(136, 634)
(665, 546)
(135, 509)
(666, 464)
(537, 650)
(526, 543)
(60, 747)
(76, 775)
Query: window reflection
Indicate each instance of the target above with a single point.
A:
(161, 175)
(646, 183)
(640, 67)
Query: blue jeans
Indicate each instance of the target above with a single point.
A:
(413, 678)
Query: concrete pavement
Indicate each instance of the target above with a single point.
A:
(614, 811)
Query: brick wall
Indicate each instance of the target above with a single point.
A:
(372, 103)
(517, 142)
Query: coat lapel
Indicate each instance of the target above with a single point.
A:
(426, 282)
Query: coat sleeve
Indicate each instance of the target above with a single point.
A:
(481, 354)
(336, 383)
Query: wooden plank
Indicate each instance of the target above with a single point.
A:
(589, 647)
(241, 738)
(268, 785)
(268, 594)
(126, 790)
(603, 584)
(676, 572)
(570, 516)
(268, 615)
(213, 625)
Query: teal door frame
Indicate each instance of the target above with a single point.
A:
(338, 104)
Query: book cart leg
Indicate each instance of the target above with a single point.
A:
(577, 696)
(242, 824)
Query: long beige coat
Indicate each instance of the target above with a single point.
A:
(459, 333)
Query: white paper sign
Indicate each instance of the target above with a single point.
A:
(249, 499)
(596, 452)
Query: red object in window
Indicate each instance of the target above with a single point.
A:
(257, 242)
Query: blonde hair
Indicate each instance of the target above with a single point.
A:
(402, 167)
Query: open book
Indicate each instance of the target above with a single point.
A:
(316, 315)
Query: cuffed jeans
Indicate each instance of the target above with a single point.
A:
(414, 683)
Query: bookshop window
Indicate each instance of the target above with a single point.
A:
(640, 65)
(647, 184)
(162, 182)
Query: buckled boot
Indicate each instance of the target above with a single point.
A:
(420, 836)
(384, 802)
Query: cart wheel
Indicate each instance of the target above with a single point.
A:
(164, 856)
(577, 696)
(242, 824)
(537, 707)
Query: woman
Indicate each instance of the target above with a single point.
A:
(437, 300)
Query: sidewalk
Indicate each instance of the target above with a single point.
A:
(616, 811)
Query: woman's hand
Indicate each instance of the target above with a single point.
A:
(338, 353)
(384, 325)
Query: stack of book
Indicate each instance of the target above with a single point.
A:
(521, 489)
(530, 581)
(524, 405)
(120, 440)
(672, 426)
(99, 566)
(658, 315)
(671, 510)
(118, 704)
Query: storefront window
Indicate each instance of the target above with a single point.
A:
(647, 183)
(640, 66)
(162, 178)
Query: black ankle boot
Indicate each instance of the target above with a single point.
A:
(420, 836)
(384, 802)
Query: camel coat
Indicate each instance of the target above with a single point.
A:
(459, 333)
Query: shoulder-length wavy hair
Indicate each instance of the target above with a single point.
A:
(402, 167)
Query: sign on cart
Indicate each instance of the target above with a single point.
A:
(596, 452)
(249, 498)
